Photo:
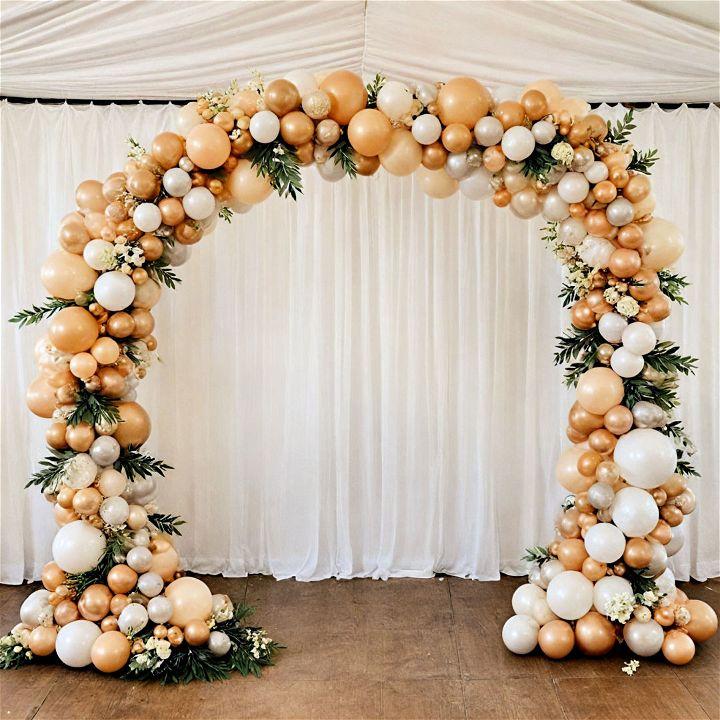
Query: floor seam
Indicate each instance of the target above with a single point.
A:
(557, 696)
(692, 695)
(39, 707)
(457, 648)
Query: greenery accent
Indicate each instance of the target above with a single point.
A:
(684, 446)
(665, 358)
(568, 294)
(167, 524)
(226, 214)
(373, 88)
(641, 582)
(53, 466)
(93, 408)
(576, 343)
(117, 541)
(135, 149)
(663, 394)
(541, 162)
(619, 134)
(131, 351)
(537, 554)
(672, 285)
(10, 659)
(279, 162)
(342, 153)
(642, 161)
(160, 271)
(36, 313)
(136, 464)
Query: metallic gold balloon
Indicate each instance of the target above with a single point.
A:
(135, 426)
(197, 632)
(114, 186)
(297, 128)
(175, 636)
(110, 652)
(594, 634)
(703, 620)
(535, 105)
(596, 223)
(347, 94)
(137, 517)
(572, 553)
(605, 192)
(66, 612)
(593, 570)
(665, 616)
(582, 420)
(675, 485)
(171, 211)
(588, 462)
(456, 138)
(144, 322)
(87, 501)
(122, 579)
(502, 197)
(80, 437)
(462, 100)
(144, 184)
(119, 602)
(638, 553)
(556, 639)
(678, 647)
(52, 576)
(662, 532)
(55, 436)
(366, 166)
(89, 196)
(494, 159)
(94, 603)
(42, 641)
(281, 97)
(73, 236)
(434, 156)
(305, 153)
(167, 149)
(637, 188)
(671, 514)
(618, 420)
(112, 383)
(658, 307)
(602, 441)
(109, 624)
(630, 236)
(624, 263)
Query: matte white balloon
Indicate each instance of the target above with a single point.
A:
(303, 80)
(573, 187)
(32, 607)
(646, 457)
(604, 542)
(635, 511)
(160, 609)
(554, 207)
(456, 165)
(625, 363)
(133, 619)
(524, 598)
(74, 642)
(570, 595)
(150, 584)
(639, 338)
(520, 634)
(147, 217)
(676, 541)
(666, 584)
(178, 254)
(643, 638)
(543, 132)
(264, 126)
(111, 482)
(518, 143)
(114, 510)
(78, 547)
(139, 559)
(477, 185)
(571, 231)
(219, 643)
(612, 326)
(606, 588)
(597, 172)
(394, 99)
(426, 129)
(199, 203)
(620, 212)
(105, 450)
(177, 182)
(97, 254)
(488, 131)
(114, 290)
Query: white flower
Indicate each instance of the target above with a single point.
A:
(612, 295)
(151, 643)
(163, 649)
(142, 659)
(620, 607)
(649, 597)
(628, 306)
(631, 667)
(563, 153)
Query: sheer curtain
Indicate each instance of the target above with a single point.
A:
(358, 384)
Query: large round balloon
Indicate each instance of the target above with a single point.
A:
(114, 290)
(347, 94)
(110, 651)
(604, 542)
(520, 634)
(599, 389)
(662, 244)
(75, 641)
(369, 132)
(65, 274)
(74, 329)
(135, 426)
(703, 621)
(246, 185)
(191, 599)
(208, 146)
(462, 100)
(643, 638)
(403, 154)
(40, 397)
(635, 511)
(570, 595)
(646, 457)
(78, 547)
(606, 588)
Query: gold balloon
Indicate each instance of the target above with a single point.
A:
(281, 97)
(105, 351)
(593, 570)
(638, 553)
(327, 132)
(197, 632)
(456, 138)
(624, 263)
(110, 652)
(152, 247)
(678, 647)
(73, 237)
(572, 554)
(662, 532)
(658, 307)
(40, 397)
(188, 233)
(403, 155)
(462, 100)
(42, 641)
(87, 501)
(369, 132)
(296, 128)
(122, 579)
(672, 515)
(703, 620)
(109, 623)
(191, 599)
(618, 420)
(208, 146)
(648, 287)
(65, 274)
(167, 149)
(135, 426)
(676, 485)
(534, 104)
(113, 186)
(605, 192)
(246, 185)
(171, 211)
(65, 499)
(73, 330)
(599, 389)
(596, 223)
(94, 603)
(436, 183)
(89, 196)
(434, 156)
(366, 165)
(630, 236)
(494, 161)
(582, 316)
(66, 612)
(83, 365)
(143, 184)
(144, 322)
(583, 421)
(52, 576)
(120, 601)
(80, 437)
(602, 441)
(510, 113)
(588, 462)
(347, 95)
(556, 639)
(306, 154)
(247, 101)
(120, 325)
(637, 188)
(112, 383)
(594, 634)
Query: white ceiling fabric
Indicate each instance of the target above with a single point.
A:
(603, 50)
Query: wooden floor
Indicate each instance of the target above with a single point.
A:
(369, 649)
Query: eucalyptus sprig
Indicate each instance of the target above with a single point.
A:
(541, 161)
(136, 464)
(666, 358)
(373, 88)
(167, 524)
(116, 543)
(684, 447)
(672, 285)
(131, 352)
(160, 271)
(568, 294)
(642, 581)
(581, 344)
(93, 408)
(537, 554)
(342, 154)
(36, 313)
(278, 162)
(642, 161)
(619, 133)
(53, 466)
(226, 214)
(663, 394)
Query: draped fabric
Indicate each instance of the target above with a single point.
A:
(357, 384)
(600, 49)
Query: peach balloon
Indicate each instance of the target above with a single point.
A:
(135, 426)
(594, 634)
(369, 132)
(105, 351)
(246, 186)
(462, 100)
(703, 620)
(663, 244)
(403, 155)
(167, 149)
(40, 397)
(637, 188)
(208, 146)
(73, 330)
(42, 641)
(556, 639)
(165, 563)
(436, 183)
(347, 94)
(191, 599)
(599, 389)
(89, 196)
(65, 274)
(83, 365)
(296, 128)
(52, 576)
(80, 437)
(618, 420)
(567, 472)
(678, 647)
(110, 652)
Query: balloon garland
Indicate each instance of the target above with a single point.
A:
(114, 596)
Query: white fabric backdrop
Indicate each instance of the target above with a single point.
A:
(602, 49)
(359, 385)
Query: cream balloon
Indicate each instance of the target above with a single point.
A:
(74, 642)
(264, 126)
(625, 363)
(147, 217)
(114, 290)
(635, 511)
(520, 634)
(524, 598)
(518, 143)
(177, 182)
(303, 80)
(199, 203)
(639, 338)
(604, 542)
(663, 244)
(78, 547)
(187, 118)
(98, 254)
(606, 588)
(643, 638)
(191, 599)
(395, 100)
(436, 183)
(426, 129)
(488, 131)
(477, 185)
(573, 187)
(570, 595)
(646, 457)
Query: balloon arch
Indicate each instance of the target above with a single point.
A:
(114, 596)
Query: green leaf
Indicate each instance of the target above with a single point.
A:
(619, 134)
(116, 543)
(93, 408)
(167, 524)
(160, 271)
(373, 88)
(672, 285)
(279, 162)
(541, 161)
(136, 464)
(665, 358)
(537, 554)
(581, 344)
(342, 153)
(53, 466)
(664, 394)
(642, 162)
(226, 214)
(36, 313)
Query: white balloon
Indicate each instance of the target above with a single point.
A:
(646, 457)
(600, 495)
(456, 165)
(133, 619)
(571, 231)
(330, 170)
(625, 363)
(541, 612)
(111, 482)
(139, 559)
(612, 326)
(488, 131)
(573, 187)
(33, 606)
(425, 93)
(543, 132)
(394, 99)
(643, 638)
(303, 80)
(150, 584)
(555, 208)
(524, 598)
(105, 450)
(177, 254)
(659, 329)
(676, 541)
(518, 143)
(80, 472)
(147, 217)
(219, 643)
(74, 642)
(596, 251)
(141, 537)
(620, 212)
(597, 172)
(520, 634)
(199, 203)
(666, 584)
(160, 609)
(78, 547)
(187, 118)
(114, 290)
(426, 129)
(639, 338)
(477, 185)
(658, 559)
(635, 511)
(176, 182)
(551, 569)
(264, 126)
(114, 510)
(604, 542)
(535, 578)
(606, 588)
(570, 595)
(97, 253)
